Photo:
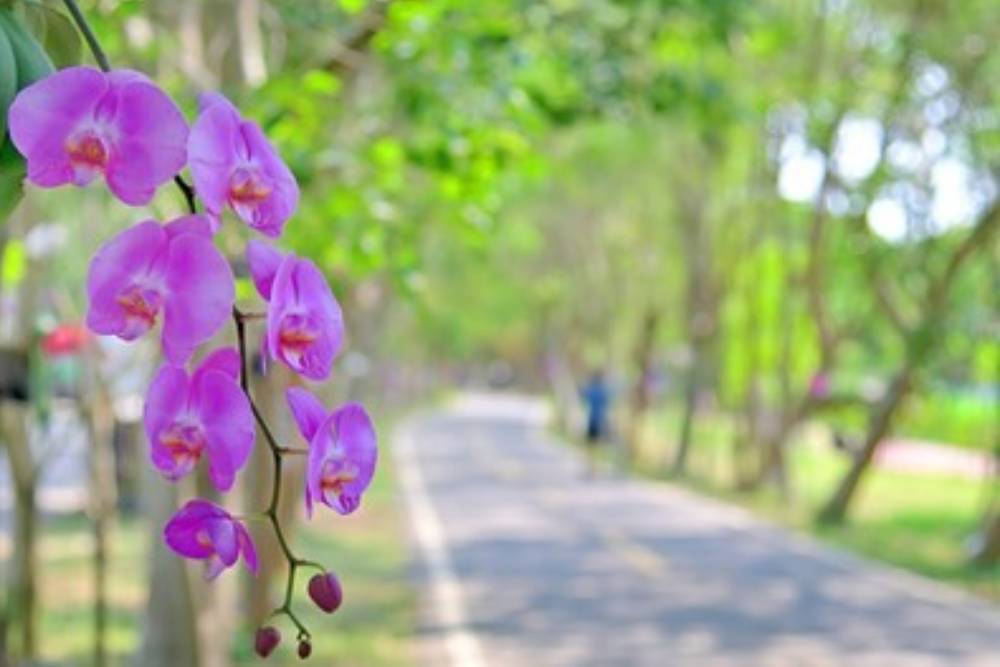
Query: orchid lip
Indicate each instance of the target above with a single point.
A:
(141, 305)
(247, 187)
(334, 479)
(185, 444)
(88, 153)
(87, 149)
(293, 342)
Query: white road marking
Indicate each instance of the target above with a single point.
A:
(461, 645)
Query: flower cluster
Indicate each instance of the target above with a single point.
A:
(82, 124)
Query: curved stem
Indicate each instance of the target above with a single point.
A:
(88, 35)
(277, 452)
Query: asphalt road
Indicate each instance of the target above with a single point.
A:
(526, 562)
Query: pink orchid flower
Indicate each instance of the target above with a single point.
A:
(343, 451)
(233, 164)
(150, 268)
(80, 123)
(305, 326)
(204, 414)
(203, 531)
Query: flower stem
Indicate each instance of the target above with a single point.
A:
(88, 35)
(277, 452)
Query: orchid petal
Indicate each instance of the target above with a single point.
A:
(263, 261)
(309, 413)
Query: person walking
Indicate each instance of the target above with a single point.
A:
(596, 396)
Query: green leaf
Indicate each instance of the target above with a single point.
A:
(8, 79)
(56, 33)
(12, 173)
(32, 61)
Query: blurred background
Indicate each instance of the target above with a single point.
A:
(770, 226)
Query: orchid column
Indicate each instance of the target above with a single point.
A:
(81, 125)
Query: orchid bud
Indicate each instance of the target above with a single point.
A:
(266, 640)
(325, 591)
(305, 649)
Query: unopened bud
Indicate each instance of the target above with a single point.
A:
(305, 649)
(325, 591)
(265, 641)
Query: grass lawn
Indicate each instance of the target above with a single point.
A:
(372, 629)
(916, 521)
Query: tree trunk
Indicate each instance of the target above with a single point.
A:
(988, 552)
(23, 584)
(773, 466)
(641, 389)
(836, 509)
(687, 421)
(919, 343)
(702, 316)
(100, 425)
(25, 594)
(170, 633)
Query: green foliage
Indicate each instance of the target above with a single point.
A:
(965, 420)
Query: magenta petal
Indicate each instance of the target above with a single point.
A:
(269, 216)
(263, 261)
(134, 253)
(309, 413)
(314, 293)
(356, 433)
(151, 145)
(318, 451)
(224, 410)
(214, 567)
(46, 113)
(185, 531)
(212, 153)
(282, 300)
(317, 361)
(233, 164)
(344, 449)
(222, 533)
(207, 99)
(80, 122)
(225, 360)
(203, 531)
(312, 488)
(248, 549)
(304, 321)
(190, 224)
(121, 77)
(200, 295)
(166, 399)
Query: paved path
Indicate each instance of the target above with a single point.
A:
(528, 564)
